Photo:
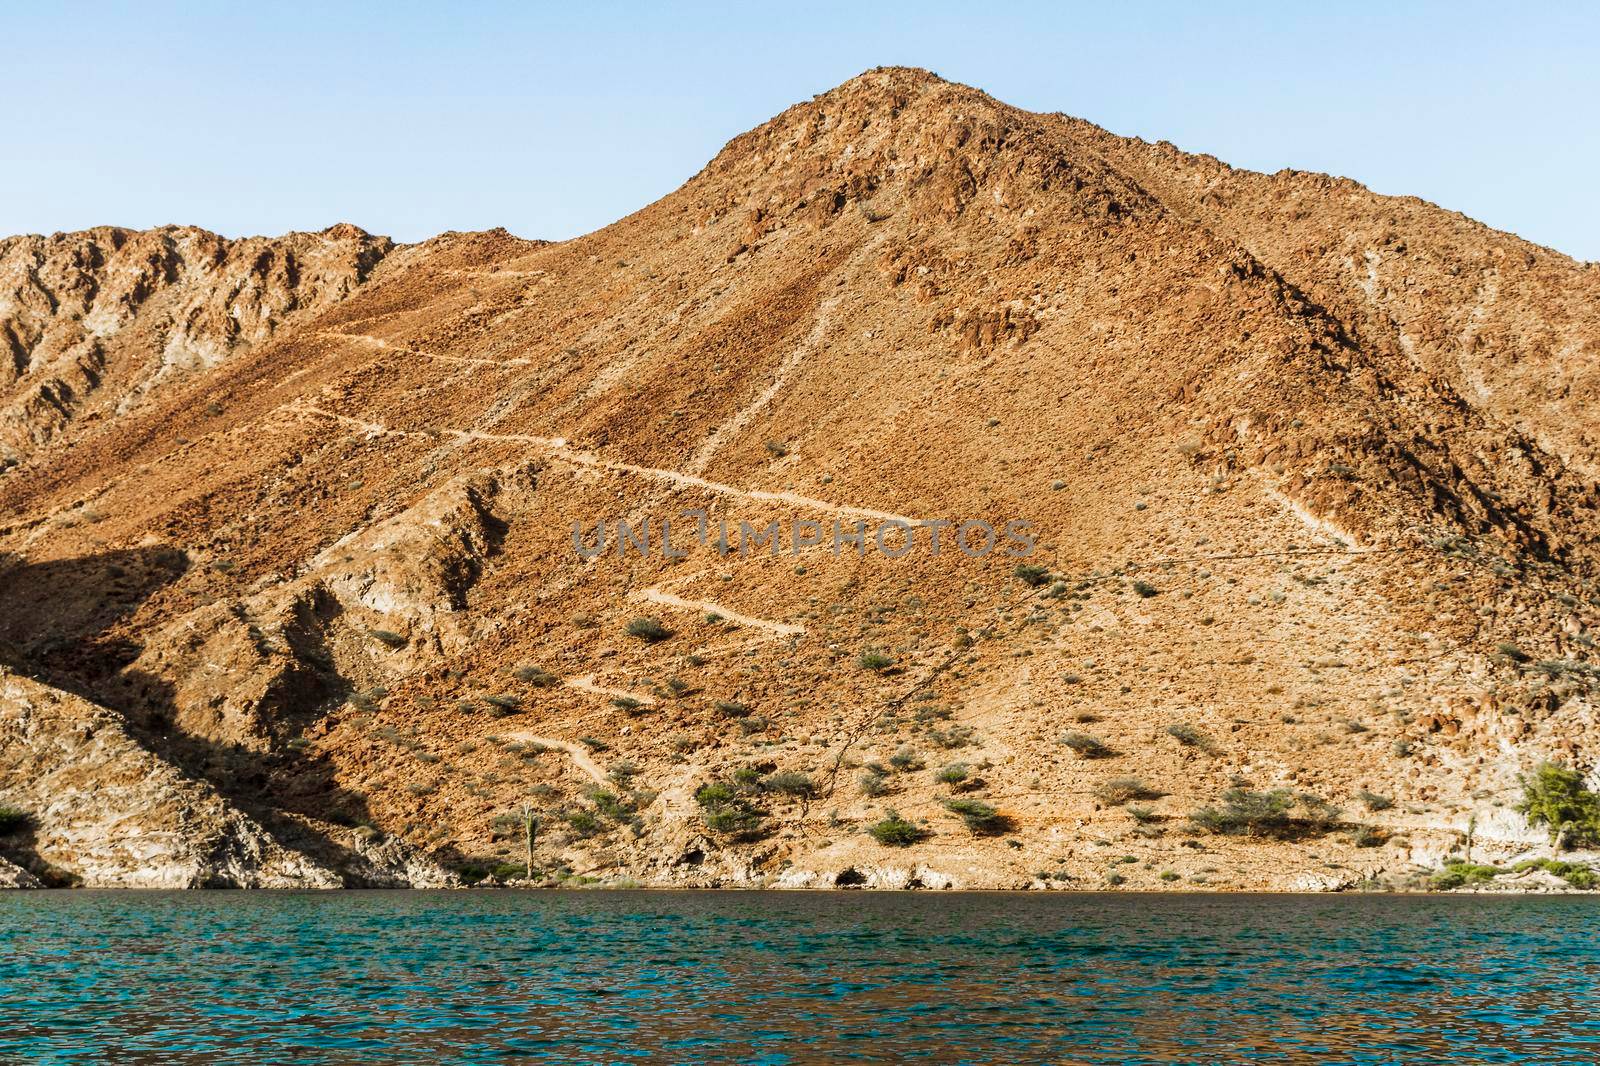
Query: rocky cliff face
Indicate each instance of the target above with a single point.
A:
(1310, 475)
(105, 813)
(90, 322)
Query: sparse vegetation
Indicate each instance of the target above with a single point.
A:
(1555, 797)
(979, 817)
(504, 702)
(1459, 874)
(387, 636)
(1031, 574)
(955, 736)
(906, 758)
(1086, 746)
(1189, 736)
(791, 783)
(873, 659)
(727, 810)
(1144, 589)
(1279, 813)
(1120, 790)
(629, 705)
(1573, 873)
(953, 774)
(1364, 836)
(895, 832)
(648, 630)
(535, 676)
(874, 782)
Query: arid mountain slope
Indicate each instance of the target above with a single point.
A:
(1294, 531)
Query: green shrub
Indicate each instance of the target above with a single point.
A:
(953, 774)
(1279, 813)
(1189, 736)
(790, 783)
(1573, 873)
(535, 676)
(387, 636)
(1145, 589)
(1457, 874)
(1169, 875)
(895, 831)
(609, 804)
(1087, 746)
(730, 709)
(628, 705)
(1555, 797)
(583, 822)
(1120, 790)
(648, 630)
(1031, 574)
(873, 659)
(504, 702)
(957, 736)
(726, 810)
(874, 782)
(979, 817)
(906, 758)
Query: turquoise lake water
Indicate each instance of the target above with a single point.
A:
(595, 977)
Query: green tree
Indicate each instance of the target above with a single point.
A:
(1555, 797)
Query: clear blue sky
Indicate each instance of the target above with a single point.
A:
(409, 119)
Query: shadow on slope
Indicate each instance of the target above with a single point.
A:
(60, 623)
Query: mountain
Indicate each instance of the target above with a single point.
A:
(1309, 477)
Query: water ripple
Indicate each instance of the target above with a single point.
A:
(623, 977)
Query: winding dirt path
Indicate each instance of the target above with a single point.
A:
(558, 449)
(586, 683)
(580, 754)
(667, 599)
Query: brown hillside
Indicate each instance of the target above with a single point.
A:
(1312, 473)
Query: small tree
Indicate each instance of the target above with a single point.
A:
(895, 831)
(530, 830)
(727, 811)
(1555, 796)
